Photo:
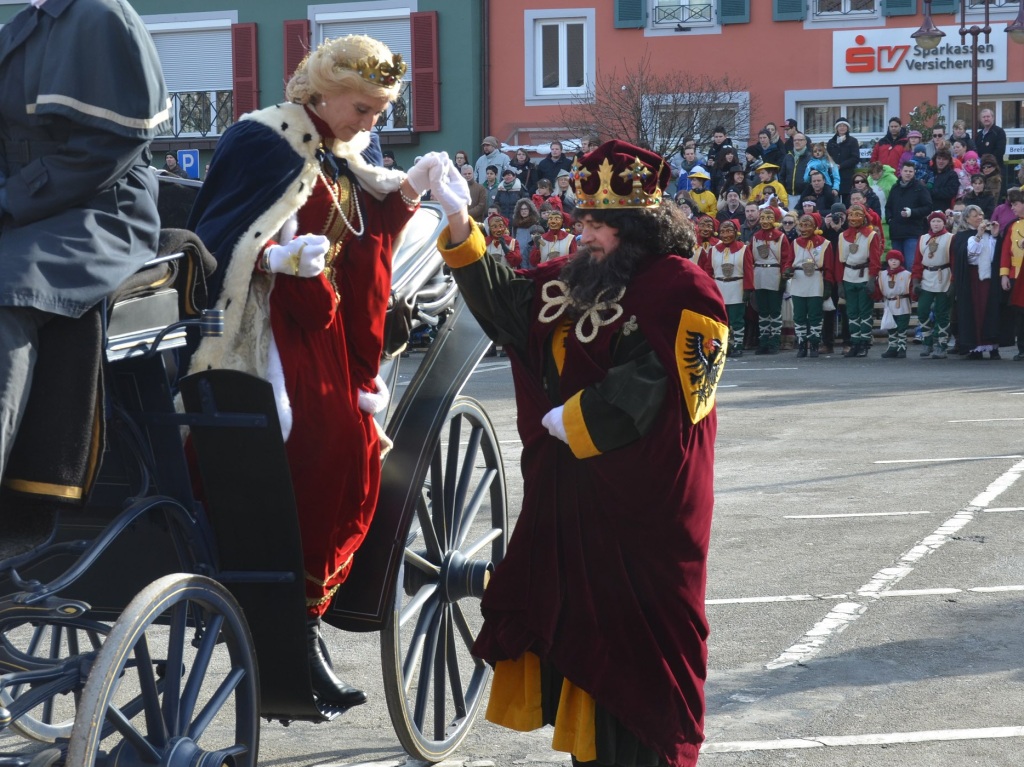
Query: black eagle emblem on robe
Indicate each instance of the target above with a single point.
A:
(701, 344)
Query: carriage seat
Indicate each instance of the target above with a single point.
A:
(56, 456)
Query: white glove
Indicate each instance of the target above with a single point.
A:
(430, 166)
(302, 257)
(451, 190)
(373, 402)
(552, 421)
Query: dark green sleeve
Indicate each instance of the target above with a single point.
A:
(622, 407)
(499, 299)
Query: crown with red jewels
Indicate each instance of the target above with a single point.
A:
(619, 175)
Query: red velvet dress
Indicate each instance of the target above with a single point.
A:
(329, 333)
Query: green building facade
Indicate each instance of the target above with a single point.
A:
(222, 59)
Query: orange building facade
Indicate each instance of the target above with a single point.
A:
(811, 60)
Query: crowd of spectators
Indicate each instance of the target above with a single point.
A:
(908, 176)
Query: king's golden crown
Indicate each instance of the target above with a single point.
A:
(636, 178)
(377, 72)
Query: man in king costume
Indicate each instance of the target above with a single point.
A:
(595, 618)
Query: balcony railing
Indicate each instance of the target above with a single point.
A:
(691, 13)
(200, 114)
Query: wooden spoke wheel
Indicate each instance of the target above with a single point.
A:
(433, 685)
(38, 645)
(175, 683)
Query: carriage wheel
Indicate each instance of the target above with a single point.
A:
(36, 645)
(174, 684)
(433, 686)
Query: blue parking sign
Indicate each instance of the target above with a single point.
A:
(188, 159)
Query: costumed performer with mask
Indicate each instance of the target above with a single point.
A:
(303, 229)
(595, 618)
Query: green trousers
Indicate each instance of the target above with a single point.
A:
(769, 318)
(737, 324)
(807, 319)
(859, 304)
(898, 335)
(934, 333)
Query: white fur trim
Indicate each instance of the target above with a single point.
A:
(245, 295)
(275, 374)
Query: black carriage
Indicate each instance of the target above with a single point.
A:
(152, 629)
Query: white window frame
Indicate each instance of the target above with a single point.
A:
(797, 101)
(999, 9)
(380, 10)
(195, 22)
(949, 95)
(654, 28)
(843, 19)
(677, 12)
(533, 21)
(738, 99)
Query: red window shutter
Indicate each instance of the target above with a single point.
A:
(244, 61)
(296, 45)
(426, 86)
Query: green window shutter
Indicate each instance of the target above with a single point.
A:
(630, 14)
(945, 6)
(789, 10)
(733, 11)
(899, 7)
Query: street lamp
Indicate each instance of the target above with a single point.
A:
(929, 36)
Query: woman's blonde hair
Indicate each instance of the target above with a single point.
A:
(355, 63)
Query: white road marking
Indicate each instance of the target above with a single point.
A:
(946, 460)
(879, 739)
(985, 420)
(842, 615)
(489, 368)
(1005, 508)
(753, 370)
(864, 514)
(941, 591)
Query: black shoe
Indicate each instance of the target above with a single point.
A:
(863, 349)
(327, 687)
(976, 356)
(1019, 357)
(994, 355)
(813, 351)
(853, 351)
(802, 351)
(890, 354)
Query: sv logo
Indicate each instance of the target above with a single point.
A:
(866, 58)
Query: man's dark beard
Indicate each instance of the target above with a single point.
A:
(587, 277)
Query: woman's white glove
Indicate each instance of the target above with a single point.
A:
(374, 402)
(552, 421)
(450, 189)
(302, 257)
(430, 166)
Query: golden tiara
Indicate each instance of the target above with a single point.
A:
(377, 72)
(636, 174)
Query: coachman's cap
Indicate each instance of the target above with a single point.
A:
(619, 175)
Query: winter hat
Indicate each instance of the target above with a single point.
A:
(843, 121)
(898, 255)
(490, 140)
(914, 134)
(939, 215)
(812, 203)
(920, 149)
(838, 209)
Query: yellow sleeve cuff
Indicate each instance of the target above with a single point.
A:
(465, 253)
(1004, 272)
(580, 442)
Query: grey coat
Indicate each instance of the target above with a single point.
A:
(81, 97)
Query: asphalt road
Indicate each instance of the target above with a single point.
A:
(865, 589)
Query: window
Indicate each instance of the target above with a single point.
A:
(686, 13)
(819, 120)
(676, 116)
(560, 56)
(1009, 113)
(845, 8)
(994, 5)
(392, 27)
(560, 59)
(197, 64)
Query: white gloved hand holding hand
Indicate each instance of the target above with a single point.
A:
(374, 402)
(450, 189)
(302, 257)
(552, 421)
(430, 166)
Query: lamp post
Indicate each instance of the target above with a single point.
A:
(929, 36)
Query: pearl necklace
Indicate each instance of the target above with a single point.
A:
(337, 205)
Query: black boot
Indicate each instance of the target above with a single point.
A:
(327, 687)
(801, 349)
